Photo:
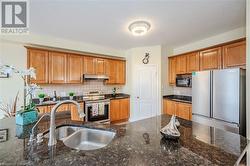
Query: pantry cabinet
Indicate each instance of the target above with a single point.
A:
(119, 110)
(75, 68)
(182, 110)
(57, 66)
(234, 55)
(211, 59)
(39, 60)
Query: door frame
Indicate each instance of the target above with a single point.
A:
(158, 101)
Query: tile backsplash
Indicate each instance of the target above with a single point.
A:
(183, 91)
(78, 89)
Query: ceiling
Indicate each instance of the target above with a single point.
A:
(174, 22)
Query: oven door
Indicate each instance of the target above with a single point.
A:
(96, 114)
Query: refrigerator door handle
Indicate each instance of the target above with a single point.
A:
(211, 94)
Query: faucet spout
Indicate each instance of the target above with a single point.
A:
(52, 139)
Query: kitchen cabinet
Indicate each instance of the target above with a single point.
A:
(116, 70)
(43, 109)
(39, 60)
(119, 110)
(182, 110)
(100, 66)
(193, 62)
(181, 64)
(57, 66)
(89, 65)
(75, 68)
(234, 55)
(210, 59)
(172, 70)
(74, 112)
(63, 107)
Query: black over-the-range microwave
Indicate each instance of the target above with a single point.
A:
(184, 81)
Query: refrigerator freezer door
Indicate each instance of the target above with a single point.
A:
(201, 86)
(226, 89)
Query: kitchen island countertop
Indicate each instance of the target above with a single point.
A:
(136, 143)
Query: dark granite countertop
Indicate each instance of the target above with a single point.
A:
(80, 99)
(198, 145)
(179, 98)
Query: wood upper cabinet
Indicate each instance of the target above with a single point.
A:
(184, 111)
(172, 70)
(89, 65)
(193, 62)
(57, 66)
(119, 110)
(234, 55)
(121, 72)
(210, 59)
(100, 66)
(74, 112)
(39, 60)
(75, 68)
(181, 64)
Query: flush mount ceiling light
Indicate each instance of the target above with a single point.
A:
(139, 28)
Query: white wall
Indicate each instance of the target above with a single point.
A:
(134, 58)
(213, 40)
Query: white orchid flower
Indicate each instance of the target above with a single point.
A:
(29, 72)
(32, 88)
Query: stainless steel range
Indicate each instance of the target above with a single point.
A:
(97, 108)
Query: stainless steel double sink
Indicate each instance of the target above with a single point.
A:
(82, 138)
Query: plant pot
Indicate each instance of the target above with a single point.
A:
(26, 118)
(71, 97)
(41, 100)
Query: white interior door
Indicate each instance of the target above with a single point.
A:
(145, 103)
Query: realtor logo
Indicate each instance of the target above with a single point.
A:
(14, 17)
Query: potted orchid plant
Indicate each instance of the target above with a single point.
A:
(28, 113)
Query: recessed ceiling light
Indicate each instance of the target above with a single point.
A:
(139, 28)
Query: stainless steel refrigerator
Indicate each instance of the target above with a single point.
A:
(219, 99)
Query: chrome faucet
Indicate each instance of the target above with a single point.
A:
(32, 136)
(52, 139)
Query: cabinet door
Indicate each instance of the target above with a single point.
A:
(111, 70)
(181, 64)
(193, 62)
(57, 63)
(63, 107)
(234, 55)
(74, 112)
(172, 70)
(184, 111)
(170, 107)
(75, 68)
(114, 110)
(43, 109)
(38, 59)
(89, 65)
(100, 66)
(124, 109)
(210, 59)
(121, 72)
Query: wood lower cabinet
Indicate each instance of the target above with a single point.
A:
(39, 60)
(193, 62)
(43, 109)
(119, 110)
(58, 69)
(182, 110)
(75, 69)
(211, 59)
(74, 112)
(234, 55)
(63, 107)
(181, 64)
(172, 70)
